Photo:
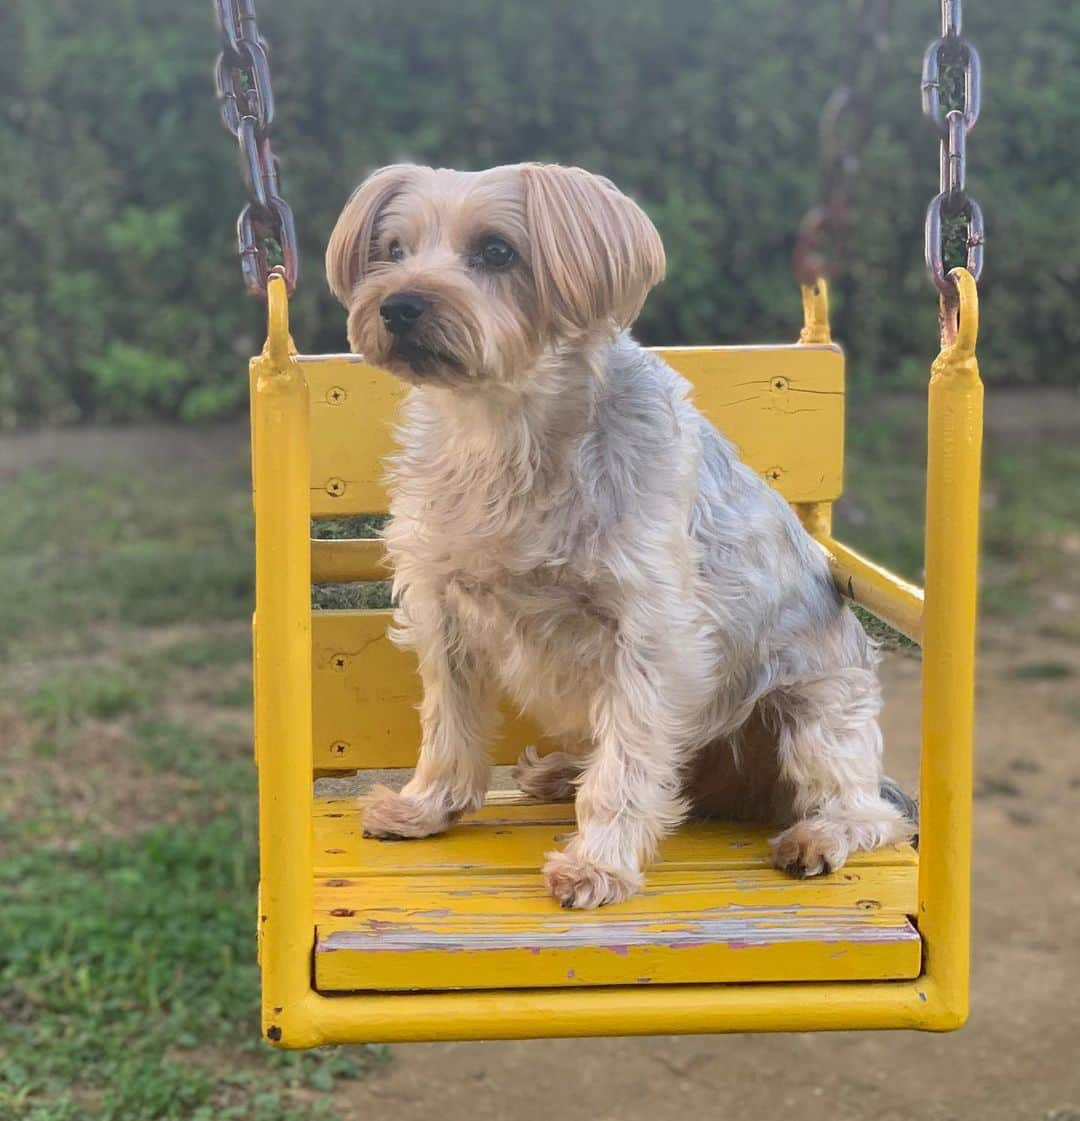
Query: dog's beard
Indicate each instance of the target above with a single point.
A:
(419, 360)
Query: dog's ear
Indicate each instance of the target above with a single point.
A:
(595, 253)
(349, 249)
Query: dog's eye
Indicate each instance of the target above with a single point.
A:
(394, 251)
(494, 253)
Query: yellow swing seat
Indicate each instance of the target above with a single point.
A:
(454, 936)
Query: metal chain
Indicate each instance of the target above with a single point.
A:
(951, 85)
(845, 126)
(242, 78)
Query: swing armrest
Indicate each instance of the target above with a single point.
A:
(876, 589)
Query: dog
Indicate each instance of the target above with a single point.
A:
(568, 530)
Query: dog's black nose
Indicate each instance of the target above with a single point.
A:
(402, 311)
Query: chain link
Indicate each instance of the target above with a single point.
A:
(845, 126)
(242, 80)
(951, 97)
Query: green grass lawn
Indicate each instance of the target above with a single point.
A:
(128, 985)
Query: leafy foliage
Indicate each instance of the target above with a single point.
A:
(120, 294)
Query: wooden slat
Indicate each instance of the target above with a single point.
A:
(364, 697)
(353, 408)
(345, 561)
(783, 406)
(511, 837)
(469, 910)
(395, 948)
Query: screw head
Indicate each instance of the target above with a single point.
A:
(773, 474)
(339, 662)
(335, 487)
(335, 395)
(339, 747)
(780, 384)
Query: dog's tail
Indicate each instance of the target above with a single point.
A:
(894, 794)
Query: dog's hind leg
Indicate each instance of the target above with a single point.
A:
(829, 752)
(550, 778)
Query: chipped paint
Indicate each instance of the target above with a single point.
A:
(737, 932)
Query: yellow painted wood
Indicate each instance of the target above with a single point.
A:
(280, 458)
(469, 910)
(512, 836)
(365, 697)
(783, 406)
(952, 546)
(288, 487)
(517, 899)
(890, 598)
(442, 941)
(353, 411)
(618, 1010)
(345, 561)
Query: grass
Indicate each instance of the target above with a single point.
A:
(1043, 671)
(134, 966)
(128, 984)
(236, 696)
(169, 746)
(221, 650)
(128, 987)
(149, 547)
(102, 694)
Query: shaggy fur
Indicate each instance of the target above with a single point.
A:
(567, 529)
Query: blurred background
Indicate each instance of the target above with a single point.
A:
(128, 988)
(119, 189)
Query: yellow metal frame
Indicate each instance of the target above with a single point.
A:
(296, 1016)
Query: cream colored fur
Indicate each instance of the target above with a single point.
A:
(568, 530)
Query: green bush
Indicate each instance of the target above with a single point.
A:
(120, 293)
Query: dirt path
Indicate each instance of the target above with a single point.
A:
(1017, 1059)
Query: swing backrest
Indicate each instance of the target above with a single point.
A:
(783, 407)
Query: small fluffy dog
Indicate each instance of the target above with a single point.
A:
(566, 528)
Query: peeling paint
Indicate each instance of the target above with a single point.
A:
(736, 932)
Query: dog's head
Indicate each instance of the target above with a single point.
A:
(462, 277)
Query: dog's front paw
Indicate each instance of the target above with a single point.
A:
(577, 882)
(808, 848)
(389, 814)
